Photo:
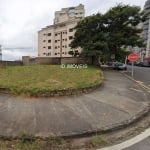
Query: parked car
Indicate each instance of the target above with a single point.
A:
(119, 66)
(140, 64)
(146, 62)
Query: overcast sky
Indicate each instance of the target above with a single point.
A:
(21, 19)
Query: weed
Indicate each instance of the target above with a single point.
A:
(98, 141)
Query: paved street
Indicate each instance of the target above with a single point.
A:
(141, 74)
(143, 145)
(139, 142)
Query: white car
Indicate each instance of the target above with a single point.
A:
(119, 66)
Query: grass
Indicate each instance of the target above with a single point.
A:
(97, 141)
(53, 144)
(29, 80)
(33, 144)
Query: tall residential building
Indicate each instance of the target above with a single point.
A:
(0, 53)
(54, 40)
(146, 29)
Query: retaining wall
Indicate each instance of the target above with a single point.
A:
(55, 61)
(11, 63)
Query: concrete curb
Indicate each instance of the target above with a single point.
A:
(57, 93)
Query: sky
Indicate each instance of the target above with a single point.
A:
(20, 21)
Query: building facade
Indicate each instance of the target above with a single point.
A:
(54, 40)
(146, 29)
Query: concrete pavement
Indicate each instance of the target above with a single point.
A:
(117, 103)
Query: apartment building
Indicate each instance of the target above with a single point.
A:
(146, 29)
(54, 40)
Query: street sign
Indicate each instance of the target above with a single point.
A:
(133, 57)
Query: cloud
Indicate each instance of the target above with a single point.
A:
(21, 19)
(16, 54)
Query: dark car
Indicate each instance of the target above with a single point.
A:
(119, 66)
(140, 64)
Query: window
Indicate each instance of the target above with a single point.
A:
(71, 30)
(49, 41)
(62, 25)
(71, 14)
(55, 34)
(65, 39)
(69, 45)
(44, 34)
(70, 37)
(48, 54)
(44, 40)
(49, 47)
(65, 46)
(49, 34)
(55, 53)
(55, 47)
(43, 53)
(55, 41)
(44, 47)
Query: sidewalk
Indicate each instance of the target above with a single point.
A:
(116, 104)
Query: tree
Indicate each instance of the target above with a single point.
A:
(104, 35)
(90, 36)
(122, 22)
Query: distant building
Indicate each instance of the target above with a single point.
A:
(54, 40)
(0, 53)
(146, 29)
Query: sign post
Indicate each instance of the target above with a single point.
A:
(132, 68)
(133, 57)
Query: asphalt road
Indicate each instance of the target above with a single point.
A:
(143, 145)
(140, 74)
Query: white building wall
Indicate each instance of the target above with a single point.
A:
(146, 29)
(54, 40)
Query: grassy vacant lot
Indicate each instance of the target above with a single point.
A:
(54, 144)
(31, 79)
